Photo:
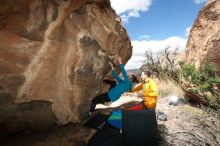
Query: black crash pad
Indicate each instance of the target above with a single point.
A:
(107, 136)
(139, 128)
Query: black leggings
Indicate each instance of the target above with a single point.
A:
(103, 97)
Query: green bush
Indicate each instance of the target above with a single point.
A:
(213, 102)
(204, 79)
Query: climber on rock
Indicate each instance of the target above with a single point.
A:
(115, 90)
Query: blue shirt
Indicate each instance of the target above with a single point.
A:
(122, 86)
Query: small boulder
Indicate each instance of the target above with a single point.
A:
(174, 100)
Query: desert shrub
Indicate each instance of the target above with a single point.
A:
(206, 83)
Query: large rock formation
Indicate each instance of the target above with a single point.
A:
(53, 57)
(204, 39)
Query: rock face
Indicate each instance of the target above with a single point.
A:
(53, 57)
(204, 39)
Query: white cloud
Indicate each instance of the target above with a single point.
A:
(130, 9)
(144, 37)
(140, 47)
(200, 1)
(187, 31)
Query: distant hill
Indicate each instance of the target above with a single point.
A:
(134, 71)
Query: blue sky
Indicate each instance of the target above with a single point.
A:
(164, 18)
(156, 24)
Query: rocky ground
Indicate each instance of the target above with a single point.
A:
(185, 126)
(188, 126)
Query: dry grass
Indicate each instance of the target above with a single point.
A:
(168, 88)
(210, 111)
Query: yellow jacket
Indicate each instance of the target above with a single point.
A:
(150, 91)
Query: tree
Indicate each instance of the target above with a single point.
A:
(162, 64)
